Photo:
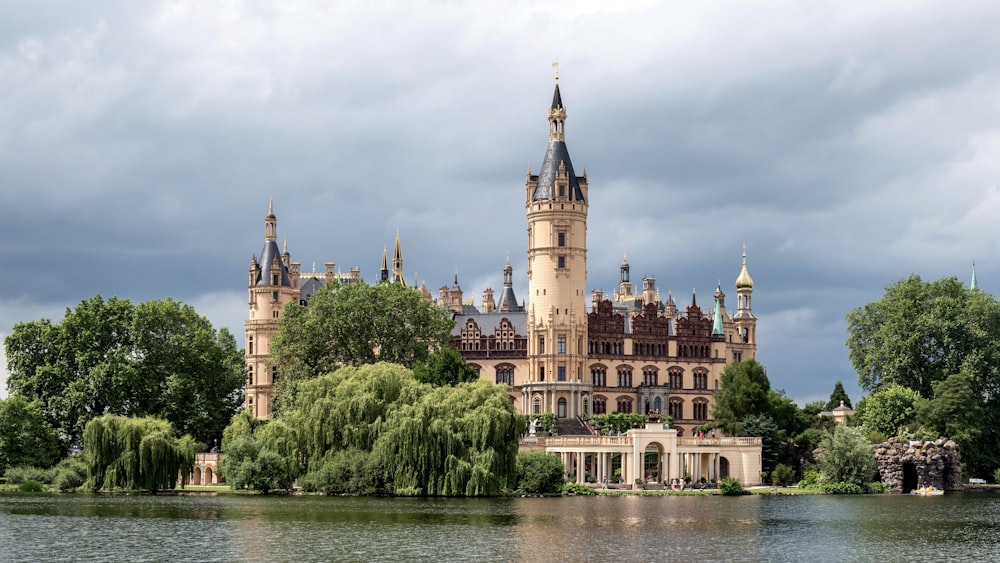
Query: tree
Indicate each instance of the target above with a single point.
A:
(763, 427)
(955, 412)
(159, 358)
(353, 325)
(539, 472)
(847, 457)
(376, 427)
(922, 332)
(26, 438)
(249, 462)
(138, 454)
(745, 392)
(888, 410)
(837, 397)
(445, 366)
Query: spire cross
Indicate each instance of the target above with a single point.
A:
(555, 65)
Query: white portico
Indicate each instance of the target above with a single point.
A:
(655, 453)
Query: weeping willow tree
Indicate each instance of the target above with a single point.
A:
(137, 454)
(376, 429)
(258, 455)
(456, 441)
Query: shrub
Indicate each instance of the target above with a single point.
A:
(539, 472)
(877, 488)
(30, 486)
(782, 475)
(996, 475)
(841, 489)
(70, 474)
(810, 479)
(847, 457)
(22, 473)
(731, 487)
(575, 489)
(351, 471)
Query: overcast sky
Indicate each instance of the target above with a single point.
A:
(848, 145)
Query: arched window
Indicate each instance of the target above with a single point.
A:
(700, 378)
(505, 374)
(650, 376)
(700, 409)
(600, 405)
(625, 404)
(599, 376)
(536, 405)
(561, 408)
(657, 404)
(676, 376)
(676, 408)
(624, 376)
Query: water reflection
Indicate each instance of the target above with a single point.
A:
(250, 528)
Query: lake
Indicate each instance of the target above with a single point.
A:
(51, 527)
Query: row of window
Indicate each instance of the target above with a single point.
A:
(612, 348)
(650, 376)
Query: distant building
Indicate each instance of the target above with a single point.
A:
(559, 350)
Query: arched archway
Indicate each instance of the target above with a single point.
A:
(196, 477)
(723, 468)
(561, 408)
(208, 475)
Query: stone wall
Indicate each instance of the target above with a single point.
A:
(934, 463)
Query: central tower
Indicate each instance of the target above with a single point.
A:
(556, 207)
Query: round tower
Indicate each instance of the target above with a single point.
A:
(556, 207)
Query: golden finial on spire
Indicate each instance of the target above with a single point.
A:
(555, 65)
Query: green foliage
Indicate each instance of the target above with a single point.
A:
(838, 396)
(847, 457)
(545, 423)
(731, 487)
(26, 438)
(350, 471)
(618, 422)
(745, 392)
(445, 366)
(539, 472)
(70, 474)
(876, 488)
(252, 459)
(811, 480)
(954, 411)
(353, 325)
(30, 487)
(888, 410)
(782, 475)
(577, 489)
(450, 441)
(159, 358)
(921, 333)
(139, 454)
(838, 488)
(784, 413)
(996, 475)
(22, 473)
(764, 428)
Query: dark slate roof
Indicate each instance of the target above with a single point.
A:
(507, 296)
(267, 256)
(556, 99)
(488, 322)
(557, 153)
(310, 286)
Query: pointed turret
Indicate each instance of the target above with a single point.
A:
(556, 178)
(973, 284)
(384, 271)
(746, 323)
(508, 301)
(397, 263)
(718, 328)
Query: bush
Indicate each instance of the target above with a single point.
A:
(351, 471)
(539, 472)
(841, 489)
(996, 475)
(731, 487)
(70, 474)
(22, 473)
(877, 488)
(847, 457)
(575, 489)
(810, 479)
(782, 475)
(30, 486)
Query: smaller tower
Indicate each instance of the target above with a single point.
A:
(973, 284)
(746, 322)
(397, 263)
(384, 270)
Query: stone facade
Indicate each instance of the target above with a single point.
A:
(904, 466)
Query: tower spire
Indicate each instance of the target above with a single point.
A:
(974, 284)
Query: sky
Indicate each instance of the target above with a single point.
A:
(847, 144)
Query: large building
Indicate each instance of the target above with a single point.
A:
(561, 351)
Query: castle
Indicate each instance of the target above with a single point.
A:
(558, 353)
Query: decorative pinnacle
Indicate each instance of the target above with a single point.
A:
(555, 65)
